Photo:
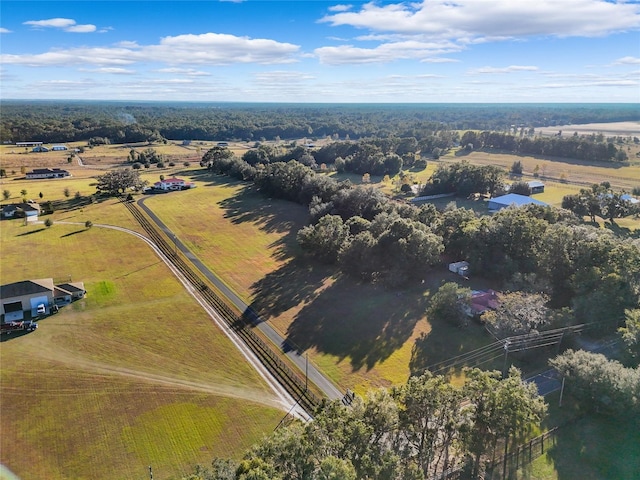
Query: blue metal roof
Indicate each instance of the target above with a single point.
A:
(513, 199)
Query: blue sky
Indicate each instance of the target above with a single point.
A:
(322, 51)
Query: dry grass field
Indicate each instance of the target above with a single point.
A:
(607, 129)
(573, 172)
(134, 375)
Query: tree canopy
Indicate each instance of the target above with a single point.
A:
(118, 181)
(412, 431)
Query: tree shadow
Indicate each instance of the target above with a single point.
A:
(212, 179)
(73, 233)
(446, 341)
(360, 322)
(30, 232)
(5, 337)
(623, 232)
(595, 446)
(294, 283)
(270, 215)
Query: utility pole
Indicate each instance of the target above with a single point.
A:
(306, 372)
(506, 353)
(561, 392)
(150, 473)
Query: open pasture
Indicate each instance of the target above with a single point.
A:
(576, 172)
(135, 374)
(360, 335)
(622, 129)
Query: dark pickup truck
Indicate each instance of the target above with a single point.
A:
(26, 325)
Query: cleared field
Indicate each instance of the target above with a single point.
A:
(613, 128)
(134, 375)
(572, 171)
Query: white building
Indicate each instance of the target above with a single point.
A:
(173, 183)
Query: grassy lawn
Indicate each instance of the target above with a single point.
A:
(134, 375)
(589, 447)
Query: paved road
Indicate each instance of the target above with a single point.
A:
(547, 382)
(315, 376)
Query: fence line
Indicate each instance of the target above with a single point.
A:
(286, 376)
(507, 466)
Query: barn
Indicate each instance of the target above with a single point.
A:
(505, 201)
(30, 298)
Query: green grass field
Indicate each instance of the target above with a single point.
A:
(134, 375)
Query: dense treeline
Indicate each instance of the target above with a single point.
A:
(591, 147)
(601, 385)
(64, 121)
(411, 432)
(375, 238)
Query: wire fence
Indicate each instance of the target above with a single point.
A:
(508, 466)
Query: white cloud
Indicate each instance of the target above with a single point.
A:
(186, 71)
(204, 49)
(127, 44)
(494, 18)
(509, 69)
(387, 52)
(174, 81)
(66, 24)
(282, 77)
(52, 22)
(340, 8)
(627, 61)
(439, 60)
(221, 49)
(64, 85)
(76, 56)
(4, 30)
(600, 83)
(81, 29)
(414, 77)
(112, 70)
(457, 25)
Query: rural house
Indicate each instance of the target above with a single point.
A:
(481, 301)
(29, 210)
(173, 183)
(35, 297)
(39, 173)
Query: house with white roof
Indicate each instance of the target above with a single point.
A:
(173, 183)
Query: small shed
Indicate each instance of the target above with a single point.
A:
(536, 186)
(460, 268)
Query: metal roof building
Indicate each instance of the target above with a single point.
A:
(504, 201)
